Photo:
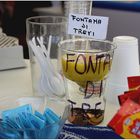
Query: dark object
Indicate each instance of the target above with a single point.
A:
(119, 5)
(89, 132)
(15, 25)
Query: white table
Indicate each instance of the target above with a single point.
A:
(17, 83)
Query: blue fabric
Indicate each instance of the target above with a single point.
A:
(91, 132)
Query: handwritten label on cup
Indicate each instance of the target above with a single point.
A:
(88, 26)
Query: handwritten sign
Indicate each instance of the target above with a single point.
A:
(88, 26)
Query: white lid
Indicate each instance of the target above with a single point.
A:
(125, 40)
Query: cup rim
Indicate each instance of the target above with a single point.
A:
(28, 20)
(114, 46)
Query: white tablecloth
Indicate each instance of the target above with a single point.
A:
(17, 83)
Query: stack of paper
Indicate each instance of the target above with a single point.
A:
(11, 53)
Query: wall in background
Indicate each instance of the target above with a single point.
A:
(121, 22)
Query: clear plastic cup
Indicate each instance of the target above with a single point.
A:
(43, 35)
(77, 7)
(85, 64)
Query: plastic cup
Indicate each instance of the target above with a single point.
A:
(125, 64)
(85, 65)
(42, 52)
(78, 7)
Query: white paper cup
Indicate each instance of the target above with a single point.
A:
(125, 64)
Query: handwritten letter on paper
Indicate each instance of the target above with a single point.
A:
(88, 26)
